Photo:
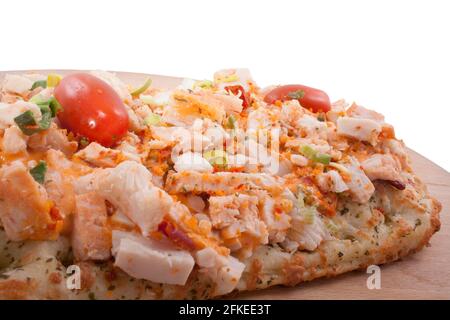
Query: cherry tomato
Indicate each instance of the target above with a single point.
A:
(239, 90)
(313, 99)
(91, 109)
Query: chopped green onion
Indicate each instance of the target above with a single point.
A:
(143, 88)
(307, 151)
(54, 106)
(84, 141)
(38, 99)
(296, 94)
(205, 84)
(339, 167)
(147, 99)
(216, 158)
(28, 124)
(231, 122)
(321, 117)
(322, 158)
(52, 103)
(39, 83)
(313, 155)
(53, 80)
(38, 172)
(152, 119)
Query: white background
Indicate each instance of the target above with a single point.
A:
(392, 56)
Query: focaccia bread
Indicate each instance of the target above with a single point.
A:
(197, 191)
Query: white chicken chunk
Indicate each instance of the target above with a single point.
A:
(299, 160)
(242, 209)
(357, 111)
(14, 141)
(16, 84)
(313, 128)
(232, 77)
(231, 103)
(360, 129)
(91, 236)
(189, 106)
(258, 119)
(128, 187)
(331, 181)
(24, 206)
(360, 186)
(53, 138)
(9, 111)
(58, 183)
(144, 258)
(291, 112)
(118, 85)
(308, 232)
(382, 167)
(224, 271)
(398, 150)
(221, 182)
(132, 148)
(277, 223)
(337, 110)
(100, 156)
(192, 161)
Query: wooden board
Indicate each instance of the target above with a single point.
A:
(425, 275)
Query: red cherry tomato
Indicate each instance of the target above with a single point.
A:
(314, 99)
(91, 108)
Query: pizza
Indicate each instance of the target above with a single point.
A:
(109, 191)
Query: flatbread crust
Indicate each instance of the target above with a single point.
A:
(37, 269)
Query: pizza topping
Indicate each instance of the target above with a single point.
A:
(53, 80)
(14, 141)
(360, 187)
(29, 125)
(382, 167)
(129, 188)
(38, 172)
(25, 207)
(100, 156)
(91, 108)
(142, 88)
(91, 236)
(239, 92)
(39, 84)
(313, 99)
(192, 161)
(331, 181)
(151, 260)
(225, 271)
(360, 129)
(315, 156)
(16, 84)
